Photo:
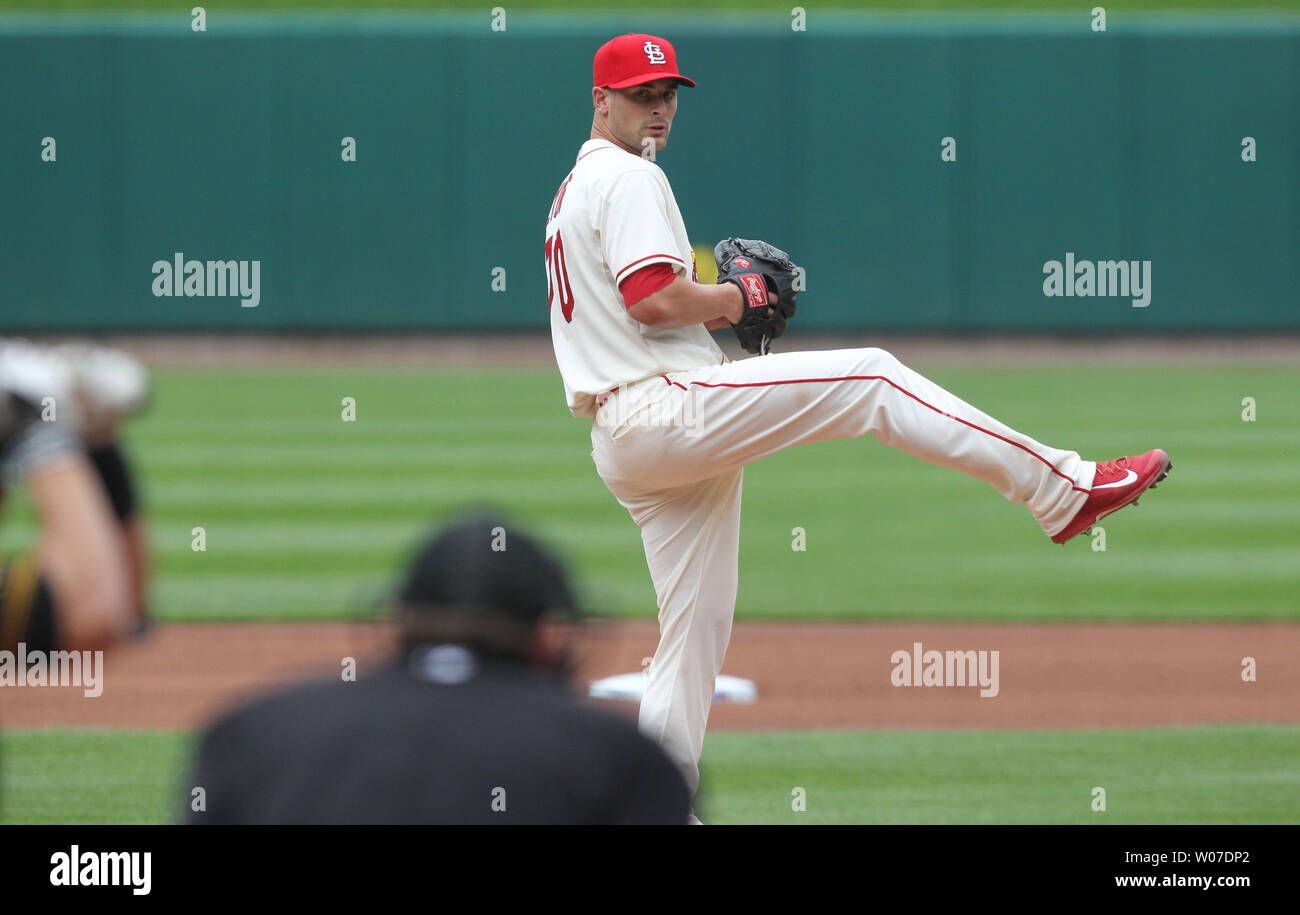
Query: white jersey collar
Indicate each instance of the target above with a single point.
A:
(596, 143)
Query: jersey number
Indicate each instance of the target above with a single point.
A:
(557, 277)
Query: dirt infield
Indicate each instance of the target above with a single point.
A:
(809, 676)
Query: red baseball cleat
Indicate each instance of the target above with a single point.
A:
(1117, 483)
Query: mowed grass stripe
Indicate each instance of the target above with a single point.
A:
(92, 776)
(273, 492)
(234, 462)
(327, 592)
(242, 537)
(324, 421)
(1196, 775)
(267, 597)
(1225, 775)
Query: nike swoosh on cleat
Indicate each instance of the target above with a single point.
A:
(1129, 477)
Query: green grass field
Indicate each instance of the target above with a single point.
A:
(1178, 775)
(309, 517)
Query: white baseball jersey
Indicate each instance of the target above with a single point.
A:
(613, 215)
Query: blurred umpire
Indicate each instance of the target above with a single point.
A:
(472, 722)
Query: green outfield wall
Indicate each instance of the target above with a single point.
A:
(1071, 145)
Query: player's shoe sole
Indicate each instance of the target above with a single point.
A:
(1121, 483)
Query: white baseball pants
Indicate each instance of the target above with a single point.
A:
(672, 451)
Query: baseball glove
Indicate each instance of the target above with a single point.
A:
(758, 268)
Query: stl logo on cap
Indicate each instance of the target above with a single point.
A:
(634, 59)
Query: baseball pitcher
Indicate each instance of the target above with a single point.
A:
(675, 421)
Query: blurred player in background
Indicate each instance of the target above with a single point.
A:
(60, 410)
(473, 721)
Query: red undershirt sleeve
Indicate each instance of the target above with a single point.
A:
(646, 281)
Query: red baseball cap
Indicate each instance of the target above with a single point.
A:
(633, 59)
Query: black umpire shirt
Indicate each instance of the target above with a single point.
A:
(447, 736)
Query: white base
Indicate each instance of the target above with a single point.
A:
(631, 687)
